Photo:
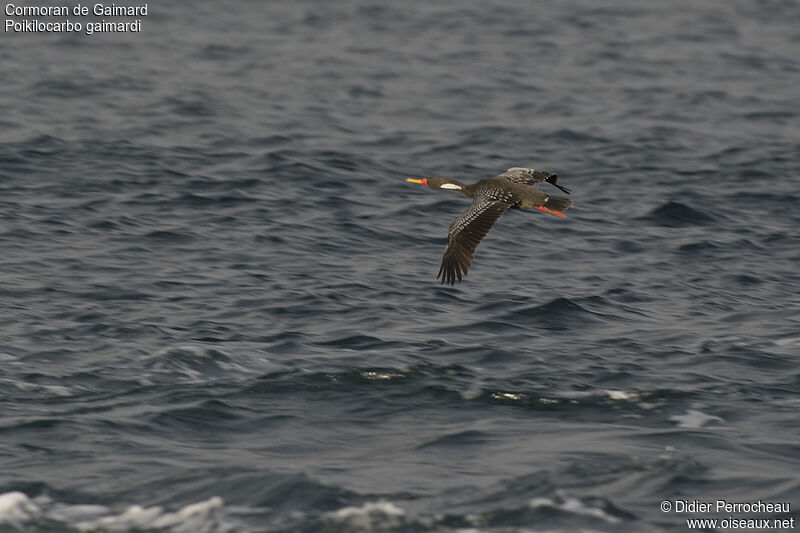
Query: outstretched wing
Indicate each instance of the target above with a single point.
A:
(465, 233)
(529, 176)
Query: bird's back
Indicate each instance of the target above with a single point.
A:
(514, 194)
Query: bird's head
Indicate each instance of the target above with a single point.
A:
(436, 182)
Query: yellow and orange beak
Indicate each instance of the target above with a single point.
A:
(423, 181)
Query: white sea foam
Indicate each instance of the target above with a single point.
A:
(197, 517)
(573, 505)
(378, 376)
(622, 396)
(207, 516)
(16, 508)
(694, 419)
(370, 516)
(512, 396)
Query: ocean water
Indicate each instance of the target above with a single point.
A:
(220, 310)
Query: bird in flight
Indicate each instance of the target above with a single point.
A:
(491, 197)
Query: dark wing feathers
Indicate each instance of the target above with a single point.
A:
(529, 176)
(466, 232)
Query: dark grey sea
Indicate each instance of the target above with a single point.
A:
(219, 309)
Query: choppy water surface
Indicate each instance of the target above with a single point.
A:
(220, 310)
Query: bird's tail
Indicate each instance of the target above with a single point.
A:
(552, 178)
(556, 205)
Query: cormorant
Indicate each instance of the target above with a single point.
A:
(514, 188)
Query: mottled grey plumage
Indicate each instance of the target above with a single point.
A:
(464, 235)
(529, 176)
(491, 198)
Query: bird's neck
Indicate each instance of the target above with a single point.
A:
(455, 185)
